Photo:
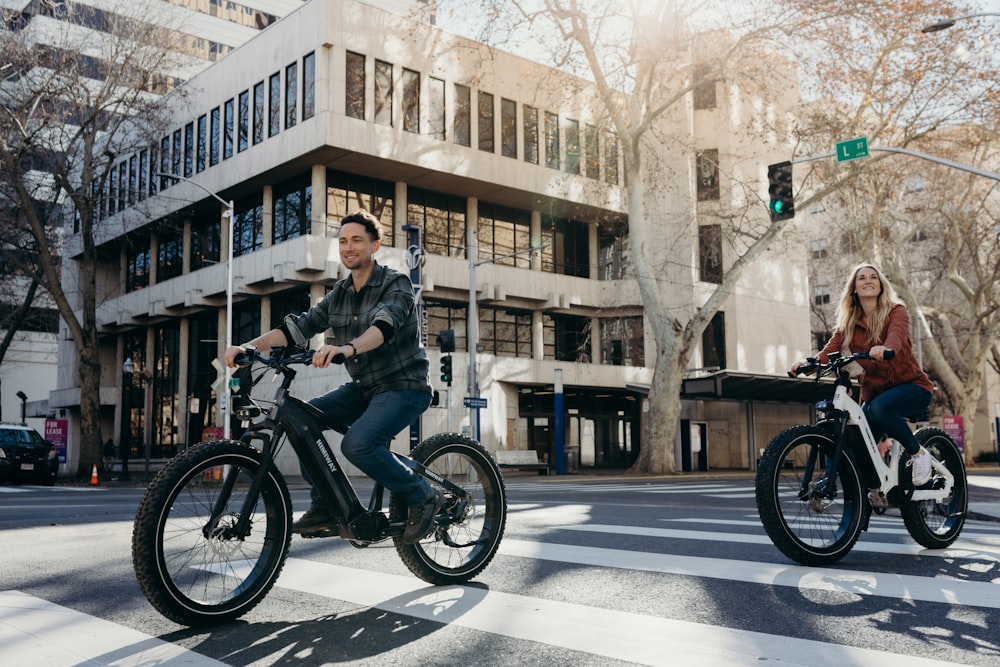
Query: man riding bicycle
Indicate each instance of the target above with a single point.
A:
(373, 316)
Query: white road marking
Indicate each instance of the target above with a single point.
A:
(36, 632)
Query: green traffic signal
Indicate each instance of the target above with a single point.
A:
(446, 369)
(782, 203)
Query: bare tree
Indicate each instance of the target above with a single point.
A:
(73, 78)
(931, 227)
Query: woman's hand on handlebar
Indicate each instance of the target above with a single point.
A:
(330, 354)
(881, 353)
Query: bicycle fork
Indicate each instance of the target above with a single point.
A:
(826, 486)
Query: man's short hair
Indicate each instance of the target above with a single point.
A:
(366, 219)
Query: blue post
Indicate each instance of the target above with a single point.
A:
(560, 426)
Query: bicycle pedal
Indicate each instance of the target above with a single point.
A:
(320, 533)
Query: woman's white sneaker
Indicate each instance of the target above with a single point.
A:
(920, 467)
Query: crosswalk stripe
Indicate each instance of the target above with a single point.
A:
(980, 553)
(638, 638)
(858, 582)
(38, 632)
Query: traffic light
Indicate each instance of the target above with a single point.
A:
(446, 369)
(446, 339)
(779, 178)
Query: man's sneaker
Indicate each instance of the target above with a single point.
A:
(420, 519)
(316, 519)
(920, 467)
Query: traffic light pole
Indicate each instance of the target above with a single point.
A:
(905, 151)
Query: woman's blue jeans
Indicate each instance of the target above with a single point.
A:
(368, 427)
(887, 413)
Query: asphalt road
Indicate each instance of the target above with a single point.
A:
(592, 571)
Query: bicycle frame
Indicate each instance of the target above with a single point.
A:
(301, 423)
(846, 412)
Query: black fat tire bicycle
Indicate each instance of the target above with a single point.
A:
(213, 529)
(817, 485)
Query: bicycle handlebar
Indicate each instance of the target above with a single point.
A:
(835, 363)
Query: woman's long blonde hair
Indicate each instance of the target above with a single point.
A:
(849, 312)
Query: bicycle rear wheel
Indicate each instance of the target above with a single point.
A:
(469, 529)
(193, 569)
(934, 524)
(808, 525)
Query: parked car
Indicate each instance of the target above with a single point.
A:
(26, 455)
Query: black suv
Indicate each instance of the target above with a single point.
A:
(26, 455)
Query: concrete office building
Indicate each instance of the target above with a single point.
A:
(340, 105)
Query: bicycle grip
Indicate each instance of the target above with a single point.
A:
(888, 355)
(338, 358)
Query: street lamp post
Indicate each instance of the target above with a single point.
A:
(125, 439)
(224, 398)
(947, 23)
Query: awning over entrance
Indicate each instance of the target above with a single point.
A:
(750, 387)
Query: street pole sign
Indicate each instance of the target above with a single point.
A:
(852, 149)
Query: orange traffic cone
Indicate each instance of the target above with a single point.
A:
(93, 476)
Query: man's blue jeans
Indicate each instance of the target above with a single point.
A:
(887, 413)
(368, 428)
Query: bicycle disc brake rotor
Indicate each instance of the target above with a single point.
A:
(221, 538)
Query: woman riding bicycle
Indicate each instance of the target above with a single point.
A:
(871, 317)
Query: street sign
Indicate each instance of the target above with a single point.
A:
(475, 402)
(852, 149)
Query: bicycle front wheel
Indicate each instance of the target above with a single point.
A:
(469, 528)
(812, 519)
(192, 567)
(936, 524)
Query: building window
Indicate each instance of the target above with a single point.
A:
(708, 175)
(551, 140)
(123, 185)
(821, 338)
(463, 115)
(566, 338)
(508, 128)
(274, 105)
(411, 101)
(593, 151)
(704, 90)
(436, 109)
(258, 112)
(228, 122)
(137, 269)
(132, 177)
(346, 193)
(612, 240)
(201, 154)
(530, 134)
(442, 219)
(213, 152)
(710, 253)
(164, 163)
(248, 225)
(568, 247)
(383, 93)
(713, 343)
(486, 125)
(112, 191)
(610, 158)
(505, 333)
(175, 163)
(572, 146)
(819, 247)
(292, 208)
(443, 315)
(189, 150)
(141, 189)
(504, 231)
(354, 104)
(170, 251)
(206, 238)
(309, 86)
(821, 296)
(154, 167)
(291, 95)
(622, 341)
(243, 135)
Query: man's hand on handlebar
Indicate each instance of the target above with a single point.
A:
(231, 354)
(330, 354)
